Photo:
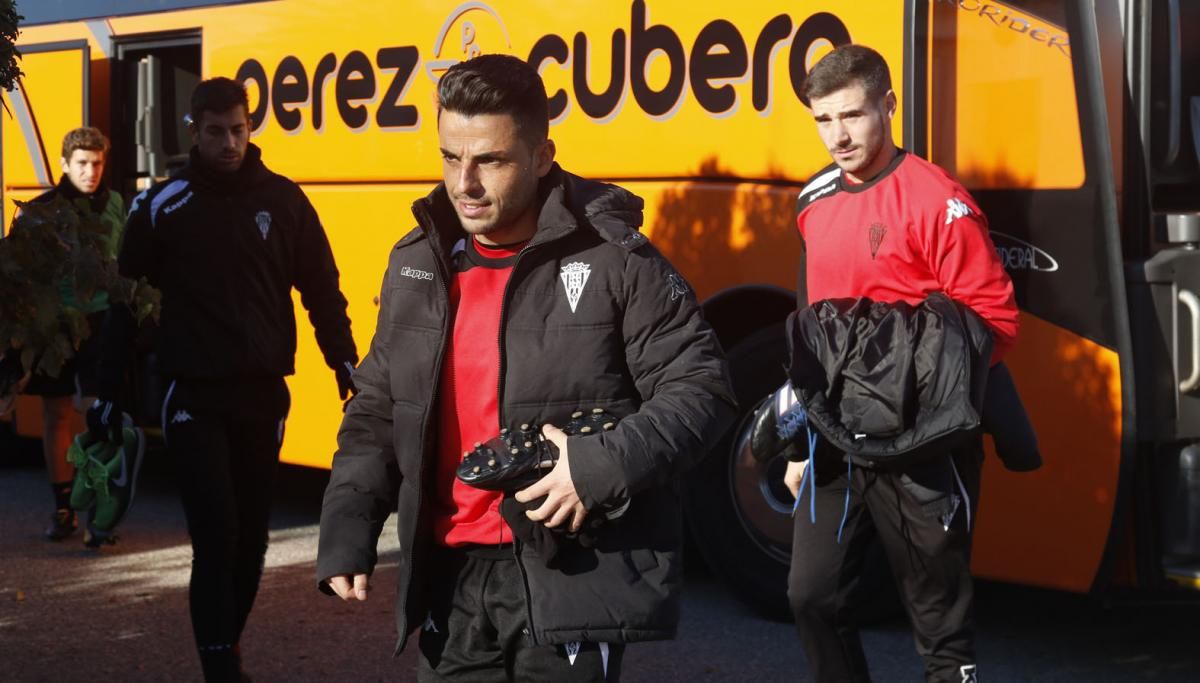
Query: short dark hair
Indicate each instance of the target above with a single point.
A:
(90, 139)
(218, 95)
(497, 84)
(843, 67)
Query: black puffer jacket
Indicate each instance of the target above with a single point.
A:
(634, 343)
(889, 383)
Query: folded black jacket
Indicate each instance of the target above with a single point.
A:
(890, 384)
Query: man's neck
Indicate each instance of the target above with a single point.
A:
(877, 166)
(521, 230)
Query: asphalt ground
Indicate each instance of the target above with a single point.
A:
(121, 614)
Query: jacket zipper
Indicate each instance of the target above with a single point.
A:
(517, 545)
(424, 220)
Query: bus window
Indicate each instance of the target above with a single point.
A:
(1002, 97)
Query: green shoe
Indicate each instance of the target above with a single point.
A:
(88, 456)
(121, 471)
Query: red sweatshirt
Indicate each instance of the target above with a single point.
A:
(911, 231)
(468, 404)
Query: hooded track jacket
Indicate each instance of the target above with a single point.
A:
(592, 316)
(226, 250)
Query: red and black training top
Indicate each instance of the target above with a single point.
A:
(469, 409)
(910, 231)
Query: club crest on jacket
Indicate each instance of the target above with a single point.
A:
(263, 218)
(574, 276)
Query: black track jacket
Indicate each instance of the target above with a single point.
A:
(593, 315)
(226, 250)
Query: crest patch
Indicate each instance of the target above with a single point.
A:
(574, 276)
(263, 218)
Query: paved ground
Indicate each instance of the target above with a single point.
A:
(67, 614)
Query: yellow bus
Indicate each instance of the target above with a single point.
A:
(1074, 124)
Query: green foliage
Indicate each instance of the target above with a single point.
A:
(9, 71)
(55, 246)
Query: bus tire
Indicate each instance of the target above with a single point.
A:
(738, 510)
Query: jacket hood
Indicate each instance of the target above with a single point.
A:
(567, 200)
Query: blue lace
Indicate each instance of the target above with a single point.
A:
(788, 427)
(790, 422)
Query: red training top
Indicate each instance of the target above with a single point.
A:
(910, 231)
(468, 405)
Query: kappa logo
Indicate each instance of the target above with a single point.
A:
(181, 416)
(574, 277)
(170, 208)
(572, 650)
(967, 671)
(263, 219)
(878, 230)
(956, 209)
(429, 625)
(677, 286)
(416, 273)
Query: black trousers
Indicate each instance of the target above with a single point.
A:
(223, 439)
(478, 629)
(920, 516)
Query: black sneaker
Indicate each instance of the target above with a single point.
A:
(62, 524)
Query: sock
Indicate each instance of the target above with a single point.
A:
(62, 494)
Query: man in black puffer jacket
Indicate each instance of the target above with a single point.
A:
(524, 293)
(225, 241)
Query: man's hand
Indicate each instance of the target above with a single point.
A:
(345, 379)
(350, 587)
(105, 420)
(793, 476)
(562, 501)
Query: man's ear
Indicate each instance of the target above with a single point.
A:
(63, 162)
(889, 103)
(544, 157)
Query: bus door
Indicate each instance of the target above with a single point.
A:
(1163, 238)
(1014, 111)
(153, 79)
(153, 83)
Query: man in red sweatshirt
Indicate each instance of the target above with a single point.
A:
(882, 223)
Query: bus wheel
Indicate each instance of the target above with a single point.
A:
(739, 511)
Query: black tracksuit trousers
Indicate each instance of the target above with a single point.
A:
(477, 630)
(223, 438)
(920, 516)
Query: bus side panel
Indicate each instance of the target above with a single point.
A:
(1049, 527)
(363, 223)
